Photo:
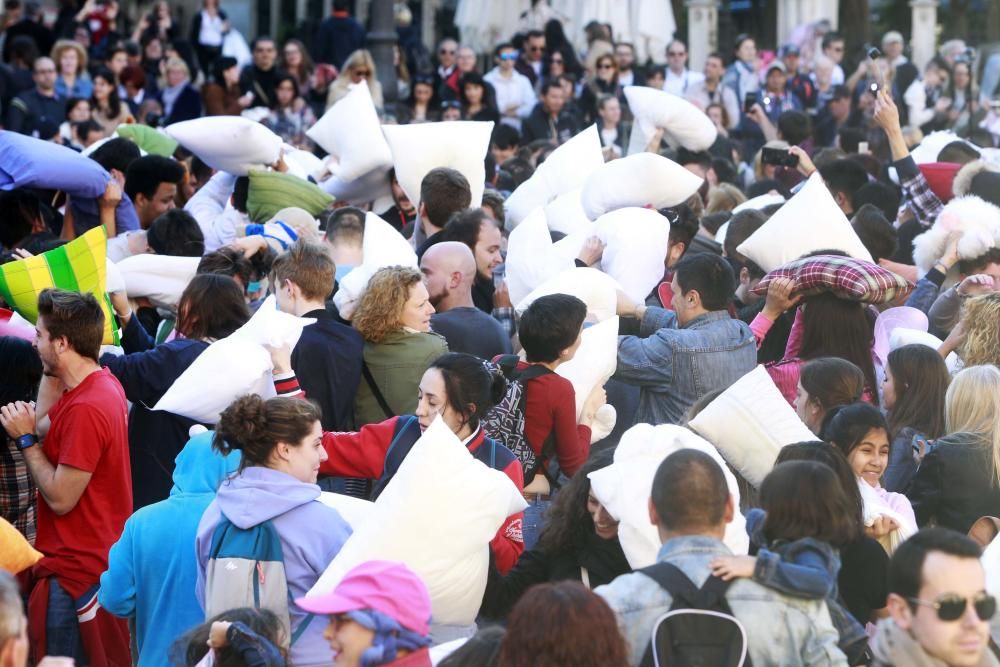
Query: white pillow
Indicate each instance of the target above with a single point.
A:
(302, 163)
(440, 531)
(161, 278)
(749, 423)
(874, 507)
(974, 221)
(382, 246)
(360, 191)
(636, 246)
(683, 123)
(233, 366)
(115, 282)
(595, 288)
(624, 488)
(350, 131)
(809, 221)
(759, 202)
(565, 213)
(901, 336)
(643, 179)
(565, 169)
(594, 363)
(461, 145)
(228, 143)
(355, 511)
(531, 258)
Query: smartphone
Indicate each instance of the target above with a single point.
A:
(749, 100)
(863, 148)
(779, 156)
(873, 55)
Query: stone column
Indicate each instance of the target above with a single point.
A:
(923, 39)
(703, 31)
(428, 34)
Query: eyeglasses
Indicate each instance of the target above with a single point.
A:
(951, 607)
(509, 55)
(361, 72)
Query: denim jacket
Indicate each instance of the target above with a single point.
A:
(782, 631)
(674, 367)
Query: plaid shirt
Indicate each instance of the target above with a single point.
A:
(17, 491)
(917, 193)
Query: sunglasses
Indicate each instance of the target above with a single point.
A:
(361, 72)
(446, 52)
(510, 55)
(951, 607)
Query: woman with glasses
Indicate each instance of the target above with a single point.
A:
(359, 66)
(603, 81)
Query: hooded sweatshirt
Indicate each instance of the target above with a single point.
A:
(152, 569)
(311, 535)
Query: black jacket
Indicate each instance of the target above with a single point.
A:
(34, 114)
(327, 361)
(540, 125)
(954, 484)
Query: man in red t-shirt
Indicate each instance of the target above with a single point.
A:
(83, 479)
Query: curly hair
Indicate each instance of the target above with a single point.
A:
(982, 336)
(381, 308)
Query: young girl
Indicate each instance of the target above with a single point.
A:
(235, 638)
(797, 542)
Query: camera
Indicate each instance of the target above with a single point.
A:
(779, 156)
(749, 100)
(873, 53)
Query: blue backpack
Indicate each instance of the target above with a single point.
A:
(246, 568)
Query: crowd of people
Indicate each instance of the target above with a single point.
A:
(839, 245)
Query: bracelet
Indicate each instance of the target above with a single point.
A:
(25, 441)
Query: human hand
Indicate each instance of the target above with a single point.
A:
(501, 296)
(217, 634)
(654, 141)
(954, 340)
(592, 251)
(756, 114)
(886, 113)
(112, 196)
(245, 100)
(18, 419)
(22, 253)
(595, 400)
(950, 256)
(921, 451)
(625, 306)
(119, 301)
(733, 567)
(976, 285)
(806, 166)
(779, 297)
(281, 358)
(280, 165)
(881, 527)
(942, 105)
(250, 245)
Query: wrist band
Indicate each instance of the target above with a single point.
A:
(26, 440)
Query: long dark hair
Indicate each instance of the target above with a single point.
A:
(826, 517)
(20, 368)
(114, 102)
(211, 306)
(568, 524)
(192, 646)
(472, 388)
(832, 381)
(846, 425)
(920, 378)
(835, 327)
(833, 457)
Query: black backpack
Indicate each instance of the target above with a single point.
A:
(505, 421)
(700, 629)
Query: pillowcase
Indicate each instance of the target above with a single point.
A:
(464, 514)
(26, 162)
(760, 202)
(891, 319)
(974, 221)
(78, 266)
(148, 139)
(683, 123)
(565, 213)
(233, 366)
(461, 145)
(636, 245)
(354, 511)
(302, 164)
(595, 361)
(16, 553)
(809, 221)
(382, 246)
(644, 179)
(846, 277)
(271, 191)
(566, 168)
(160, 278)
(531, 259)
(595, 288)
(624, 487)
(231, 144)
(350, 131)
(366, 188)
(749, 423)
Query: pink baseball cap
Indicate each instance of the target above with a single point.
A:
(387, 587)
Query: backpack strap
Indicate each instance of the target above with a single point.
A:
(302, 628)
(376, 392)
(549, 445)
(670, 577)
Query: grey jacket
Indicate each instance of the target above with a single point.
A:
(782, 631)
(675, 366)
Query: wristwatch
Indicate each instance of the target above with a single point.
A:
(26, 440)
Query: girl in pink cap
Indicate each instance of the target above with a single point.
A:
(380, 614)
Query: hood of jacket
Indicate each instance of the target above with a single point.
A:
(201, 469)
(258, 494)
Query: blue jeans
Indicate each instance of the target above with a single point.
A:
(534, 521)
(62, 630)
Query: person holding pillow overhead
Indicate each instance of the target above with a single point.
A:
(460, 388)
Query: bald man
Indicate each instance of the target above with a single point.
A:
(449, 270)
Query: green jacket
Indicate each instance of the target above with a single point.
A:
(396, 365)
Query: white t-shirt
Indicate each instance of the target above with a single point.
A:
(681, 84)
(211, 30)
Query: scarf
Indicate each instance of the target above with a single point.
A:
(170, 95)
(390, 637)
(894, 647)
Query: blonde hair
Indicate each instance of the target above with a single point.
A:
(380, 310)
(177, 63)
(724, 197)
(341, 85)
(81, 55)
(972, 405)
(981, 318)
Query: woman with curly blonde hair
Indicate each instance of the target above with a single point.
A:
(394, 318)
(981, 322)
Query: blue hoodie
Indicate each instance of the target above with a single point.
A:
(152, 569)
(311, 535)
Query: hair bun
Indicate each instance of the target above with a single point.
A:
(241, 424)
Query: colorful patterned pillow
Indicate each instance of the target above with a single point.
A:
(846, 277)
(78, 266)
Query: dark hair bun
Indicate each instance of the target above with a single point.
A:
(242, 425)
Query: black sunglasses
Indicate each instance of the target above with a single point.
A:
(951, 607)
